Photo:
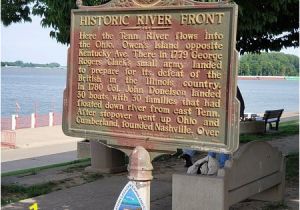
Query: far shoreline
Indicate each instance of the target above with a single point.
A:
(34, 67)
(268, 77)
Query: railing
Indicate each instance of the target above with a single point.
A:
(6, 123)
(57, 118)
(42, 121)
(23, 122)
(8, 139)
(32, 121)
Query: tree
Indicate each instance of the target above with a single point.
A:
(269, 64)
(268, 25)
(13, 11)
(22, 64)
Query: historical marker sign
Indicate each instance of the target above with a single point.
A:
(160, 75)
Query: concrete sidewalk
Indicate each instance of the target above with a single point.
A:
(42, 136)
(39, 147)
(102, 194)
(38, 161)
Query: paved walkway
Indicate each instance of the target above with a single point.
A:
(39, 161)
(41, 137)
(287, 145)
(39, 147)
(102, 194)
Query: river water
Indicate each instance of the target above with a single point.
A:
(261, 95)
(41, 90)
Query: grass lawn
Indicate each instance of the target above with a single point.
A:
(14, 193)
(32, 171)
(285, 129)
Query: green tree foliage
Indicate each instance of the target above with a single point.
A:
(22, 64)
(14, 11)
(262, 25)
(269, 64)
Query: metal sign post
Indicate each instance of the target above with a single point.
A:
(140, 176)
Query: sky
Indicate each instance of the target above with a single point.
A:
(30, 42)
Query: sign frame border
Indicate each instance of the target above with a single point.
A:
(159, 143)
